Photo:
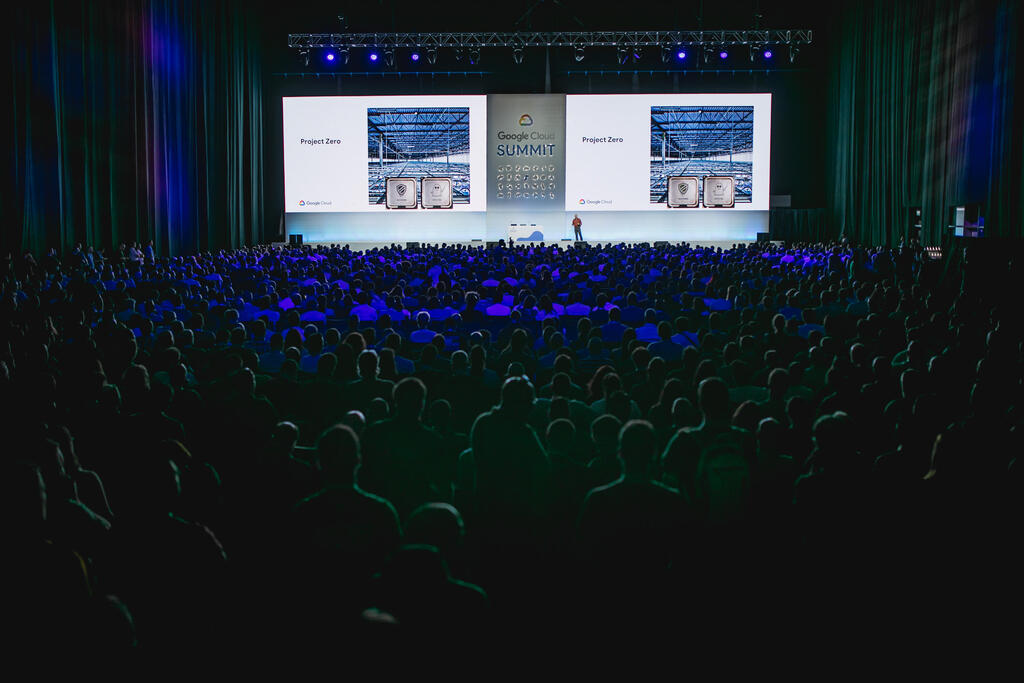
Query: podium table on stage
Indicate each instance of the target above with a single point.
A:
(525, 232)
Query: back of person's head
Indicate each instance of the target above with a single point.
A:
(356, 420)
(440, 414)
(428, 355)
(283, 438)
(560, 384)
(408, 397)
(770, 433)
(683, 413)
(561, 435)
(558, 408)
(368, 363)
(377, 410)
(314, 343)
(619, 405)
(833, 439)
(355, 340)
(637, 444)
(460, 361)
(713, 398)
(665, 330)
(610, 384)
(517, 397)
(436, 524)
(338, 454)
(604, 432)
(778, 383)
(326, 365)
(656, 369)
(746, 416)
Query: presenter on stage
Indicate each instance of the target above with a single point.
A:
(576, 225)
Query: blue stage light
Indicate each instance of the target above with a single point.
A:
(723, 54)
(415, 56)
(681, 54)
(374, 56)
(329, 56)
(767, 53)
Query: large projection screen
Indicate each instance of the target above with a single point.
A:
(340, 151)
(621, 149)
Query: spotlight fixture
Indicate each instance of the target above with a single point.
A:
(389, 57)
(330, 56)
(621, 54)
(723, 53)
(304, 56)
(579, 54)
(793, 51)
(343, 55)
(474, 55)
(374, 56)
(459, 53)
(517, 55)
(415, 56)
(666, 55)
(681, 54)
(767, 53)
(753, 50)
(637, 54)
(431, 55)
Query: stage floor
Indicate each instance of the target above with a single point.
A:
(364, 246)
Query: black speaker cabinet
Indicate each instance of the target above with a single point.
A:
(295, 239)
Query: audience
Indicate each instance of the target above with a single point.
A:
(230, 445)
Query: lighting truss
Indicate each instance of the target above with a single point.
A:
(574, 39)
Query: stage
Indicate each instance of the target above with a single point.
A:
(366, 246)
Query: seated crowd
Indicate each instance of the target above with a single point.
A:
(228, 445)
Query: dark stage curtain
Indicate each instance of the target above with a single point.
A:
(134, 121)
(801, 225)
(924, 110)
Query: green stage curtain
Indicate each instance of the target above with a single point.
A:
(134, 121)
(801, 225)
(924, 111)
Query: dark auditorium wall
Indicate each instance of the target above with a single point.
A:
(925, 109)
(133, 121)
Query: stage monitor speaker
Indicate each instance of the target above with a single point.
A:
(660, 243)
(762, 237)
(295, 239)
(412, 245)
(492, 245)
(581, 243)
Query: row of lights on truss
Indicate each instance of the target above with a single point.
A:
(680, 53)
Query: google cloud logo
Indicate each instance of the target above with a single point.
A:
(525, 120)
(583, 201)
(302, 202)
